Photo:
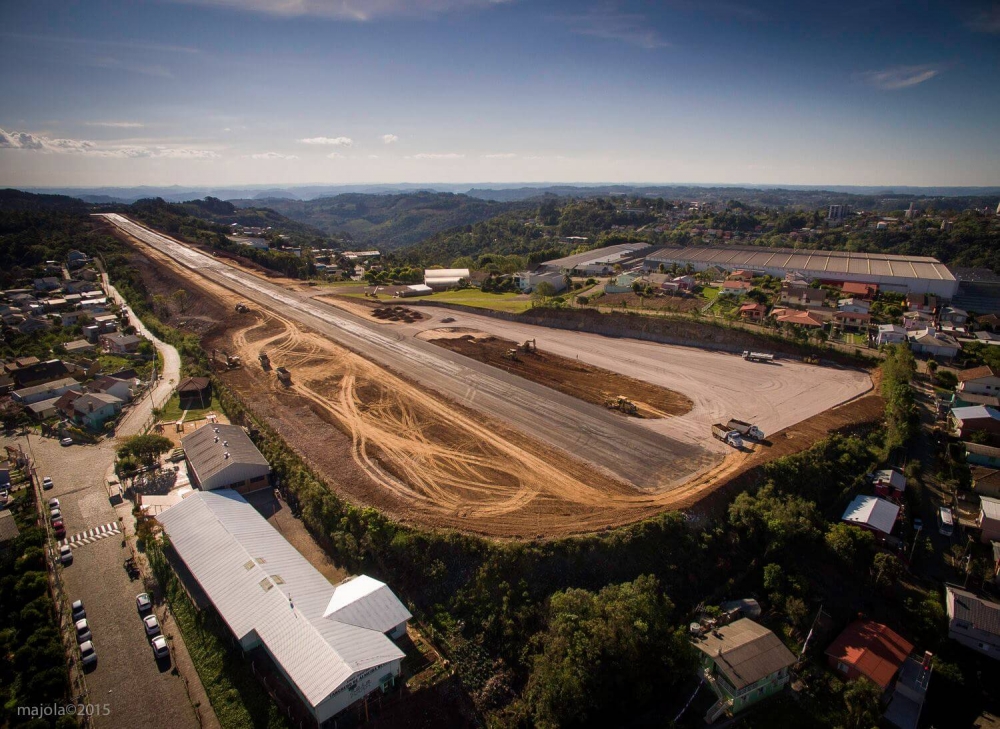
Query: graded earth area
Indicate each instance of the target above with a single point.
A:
(380, 438)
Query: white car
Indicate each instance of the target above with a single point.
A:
(53, 503)
(69, 442)
(55, 514)
(65, 554)
(160, 649)
(87, 653)
(47, 483)
(78, 610)
(152, 624)
(143, 602)
(82, 631)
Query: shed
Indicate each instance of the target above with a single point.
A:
(194, 391)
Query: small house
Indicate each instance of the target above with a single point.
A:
(734, 288)
(855, 306)
(979, 381)
(890, 334)
(859, 290)
(869, 649)
(977, 418)
(915, 320)
(973, 621)
(753, 311)
(875, 514)
(743, 662)
(954, 315)
(890, 484)
(934, 343)
(194, 392)
(986, 482)
(981, 455)
(117, 343)
(988, 520)
(94, 409)
(851, 319)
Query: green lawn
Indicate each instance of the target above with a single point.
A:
(710, 293)
(172, 412)
(514, 303)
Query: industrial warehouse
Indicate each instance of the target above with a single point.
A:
(330, 642)
(903, 274)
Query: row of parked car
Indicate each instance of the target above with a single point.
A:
(58, 525)
(85, 639)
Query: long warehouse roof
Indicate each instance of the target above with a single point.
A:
(598, 255)
(259, 582)
(830, 263)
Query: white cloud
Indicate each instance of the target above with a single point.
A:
(329, 141)
(39, 143)
(500, 155)
(437, 155)
(335, 155)
(607, 22)
(116, 124)
(389, 139)
(356, 10)
(271, 155)
(899, 77)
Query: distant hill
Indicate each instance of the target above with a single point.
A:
(18, 200)
(386, 221)
(223, 212)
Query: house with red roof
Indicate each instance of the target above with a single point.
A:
(753, 311)
(869, 649)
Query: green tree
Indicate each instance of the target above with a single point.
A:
(606, 655)
(146, 449)
(850, 543)
(862, 704)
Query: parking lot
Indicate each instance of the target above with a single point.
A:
(127, 679)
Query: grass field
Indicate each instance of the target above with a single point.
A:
(514, 303)
(172, 410)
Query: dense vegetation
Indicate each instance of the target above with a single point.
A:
(33, 670)
(385, 221)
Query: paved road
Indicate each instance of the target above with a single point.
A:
(137, 691)
(622, 447)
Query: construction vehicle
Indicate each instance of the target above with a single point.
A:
(746, 429)
(728, 436)
(528, 346)
(284, 376)
(226, 359)
(511, 354)
(265, 361)
(757, 356)
(242, 308)
(622, 404)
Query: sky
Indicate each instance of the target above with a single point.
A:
(246, 92)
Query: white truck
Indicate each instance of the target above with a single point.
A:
(727, 435)
(757, 356)
(747, 430)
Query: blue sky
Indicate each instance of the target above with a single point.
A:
(353, 91)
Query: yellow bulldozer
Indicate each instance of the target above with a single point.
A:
(622, 404)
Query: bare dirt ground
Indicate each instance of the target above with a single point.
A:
(679, 302)
(586, 382)
(380, 441)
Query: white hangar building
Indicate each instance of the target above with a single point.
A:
(331, 642)
(903, 274)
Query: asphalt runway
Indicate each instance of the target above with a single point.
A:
(619, 446)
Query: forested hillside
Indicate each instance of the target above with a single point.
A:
(387, 222)
(219, 211)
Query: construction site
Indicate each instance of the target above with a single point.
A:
(488, 426)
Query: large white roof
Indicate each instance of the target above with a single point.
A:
(259, 582)
(367, 603)
(872, 512)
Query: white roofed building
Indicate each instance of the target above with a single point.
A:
(330, 642)
(223, 456)
(872, 513)
(445, 278)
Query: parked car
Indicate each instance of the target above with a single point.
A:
(87, 653)
(152, 624)
(59, 528)
(143, 602)
(160, 649)
(83, 631)
(55, 514)
(78, 610)
(47, 483)
(53, 503)
(68, 442)
(65, 554)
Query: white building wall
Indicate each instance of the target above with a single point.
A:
(356, 688)
(234, 474)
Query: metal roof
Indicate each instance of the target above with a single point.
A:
(990, 507)
(207, 448)
(260, 583)
(367, 603)
(873, 512)
(745, 652)
(821, 263)
(975, 412)
(873, 649)
(982, 614)
(8, 527)
(597, 255)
